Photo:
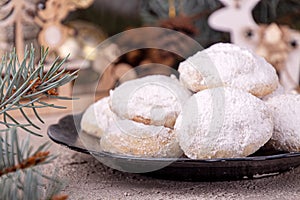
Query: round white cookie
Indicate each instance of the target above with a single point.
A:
(223, 123)
(225, 64)
(152, 100)
(137, 139)
(285, 110)
(97, 117)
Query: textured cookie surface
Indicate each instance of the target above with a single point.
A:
(225, 64)
(152, 100)
(137, 139)
(286, 113)
(97, 117)
(223, 123)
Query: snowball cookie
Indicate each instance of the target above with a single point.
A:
(152, 100)
(97, 117)
(225, 64)
(285, 110)
(223, 123)
(137, 139)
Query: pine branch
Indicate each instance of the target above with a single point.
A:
(36, 159)
(14, 157)
(20, 177)
(26, 85)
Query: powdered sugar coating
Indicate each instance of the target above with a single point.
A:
(225, 64)
(97, 117)
(223, 123)
(152, 100)
(136, 139)
(286, 113)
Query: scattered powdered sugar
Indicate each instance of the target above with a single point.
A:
(225, 64)
(285, 110)
(223, 123)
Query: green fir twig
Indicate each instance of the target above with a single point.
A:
(20, 175)
(25, 85)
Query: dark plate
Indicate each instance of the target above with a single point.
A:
(262, 163)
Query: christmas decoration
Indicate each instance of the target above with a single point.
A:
(49, 18)
(83, 42)
(76, 39)
(280, 46)
(235, 18)
(277, 43)
(17, 18)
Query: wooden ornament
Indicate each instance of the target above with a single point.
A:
(49, 18)
(272, 46)
(15, 14)
(279, 45)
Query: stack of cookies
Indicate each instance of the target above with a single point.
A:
(227, 103)
(138, 117)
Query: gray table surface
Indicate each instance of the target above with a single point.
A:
(87, 178)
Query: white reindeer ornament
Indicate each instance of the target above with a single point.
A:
(236, 18)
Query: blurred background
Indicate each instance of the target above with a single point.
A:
(76, 27)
